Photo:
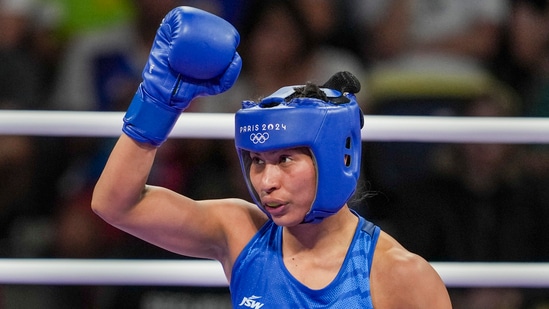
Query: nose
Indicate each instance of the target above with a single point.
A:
(270, 179)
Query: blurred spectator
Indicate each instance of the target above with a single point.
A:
(19, 73)
(430, 52)
(73, 232)
(424, 58)
(230, 10)
(15, 183)
(428, 36)
(22, 81)
(77, 17)
(523, 62)
(331, 23)
(275, 35)
(523, 58)
(101, 69)
(101, 72)
(484, 187)
(480, 204)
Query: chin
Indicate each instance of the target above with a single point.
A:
(287, 221)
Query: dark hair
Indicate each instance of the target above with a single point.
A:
(309, 90)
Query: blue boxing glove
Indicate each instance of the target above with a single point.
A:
(193, 54)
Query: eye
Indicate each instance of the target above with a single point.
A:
(256, 160)
(285, 159)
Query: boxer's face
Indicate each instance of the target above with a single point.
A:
(285, 181)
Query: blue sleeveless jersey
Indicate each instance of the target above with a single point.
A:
(260, 278)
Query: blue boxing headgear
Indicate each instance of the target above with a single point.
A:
(330, 127)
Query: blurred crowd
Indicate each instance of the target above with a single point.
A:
(446, 202)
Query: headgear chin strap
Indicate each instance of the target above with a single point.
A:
(329, 128)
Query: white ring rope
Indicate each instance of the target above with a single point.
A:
(112, 272)
(210, 273)
(208, 125)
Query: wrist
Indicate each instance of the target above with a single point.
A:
(148, 121)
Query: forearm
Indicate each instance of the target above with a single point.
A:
(122, 182)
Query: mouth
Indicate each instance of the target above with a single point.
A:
(275, 209)
(273, 205)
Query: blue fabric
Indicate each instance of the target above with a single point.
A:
(260, 279)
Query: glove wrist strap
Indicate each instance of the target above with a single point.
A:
(147, 121)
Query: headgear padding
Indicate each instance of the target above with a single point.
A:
(330, 129)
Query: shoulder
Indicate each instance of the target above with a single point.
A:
(401, 278)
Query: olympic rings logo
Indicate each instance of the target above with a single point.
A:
(259, 137)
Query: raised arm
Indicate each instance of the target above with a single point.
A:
(194, 54)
